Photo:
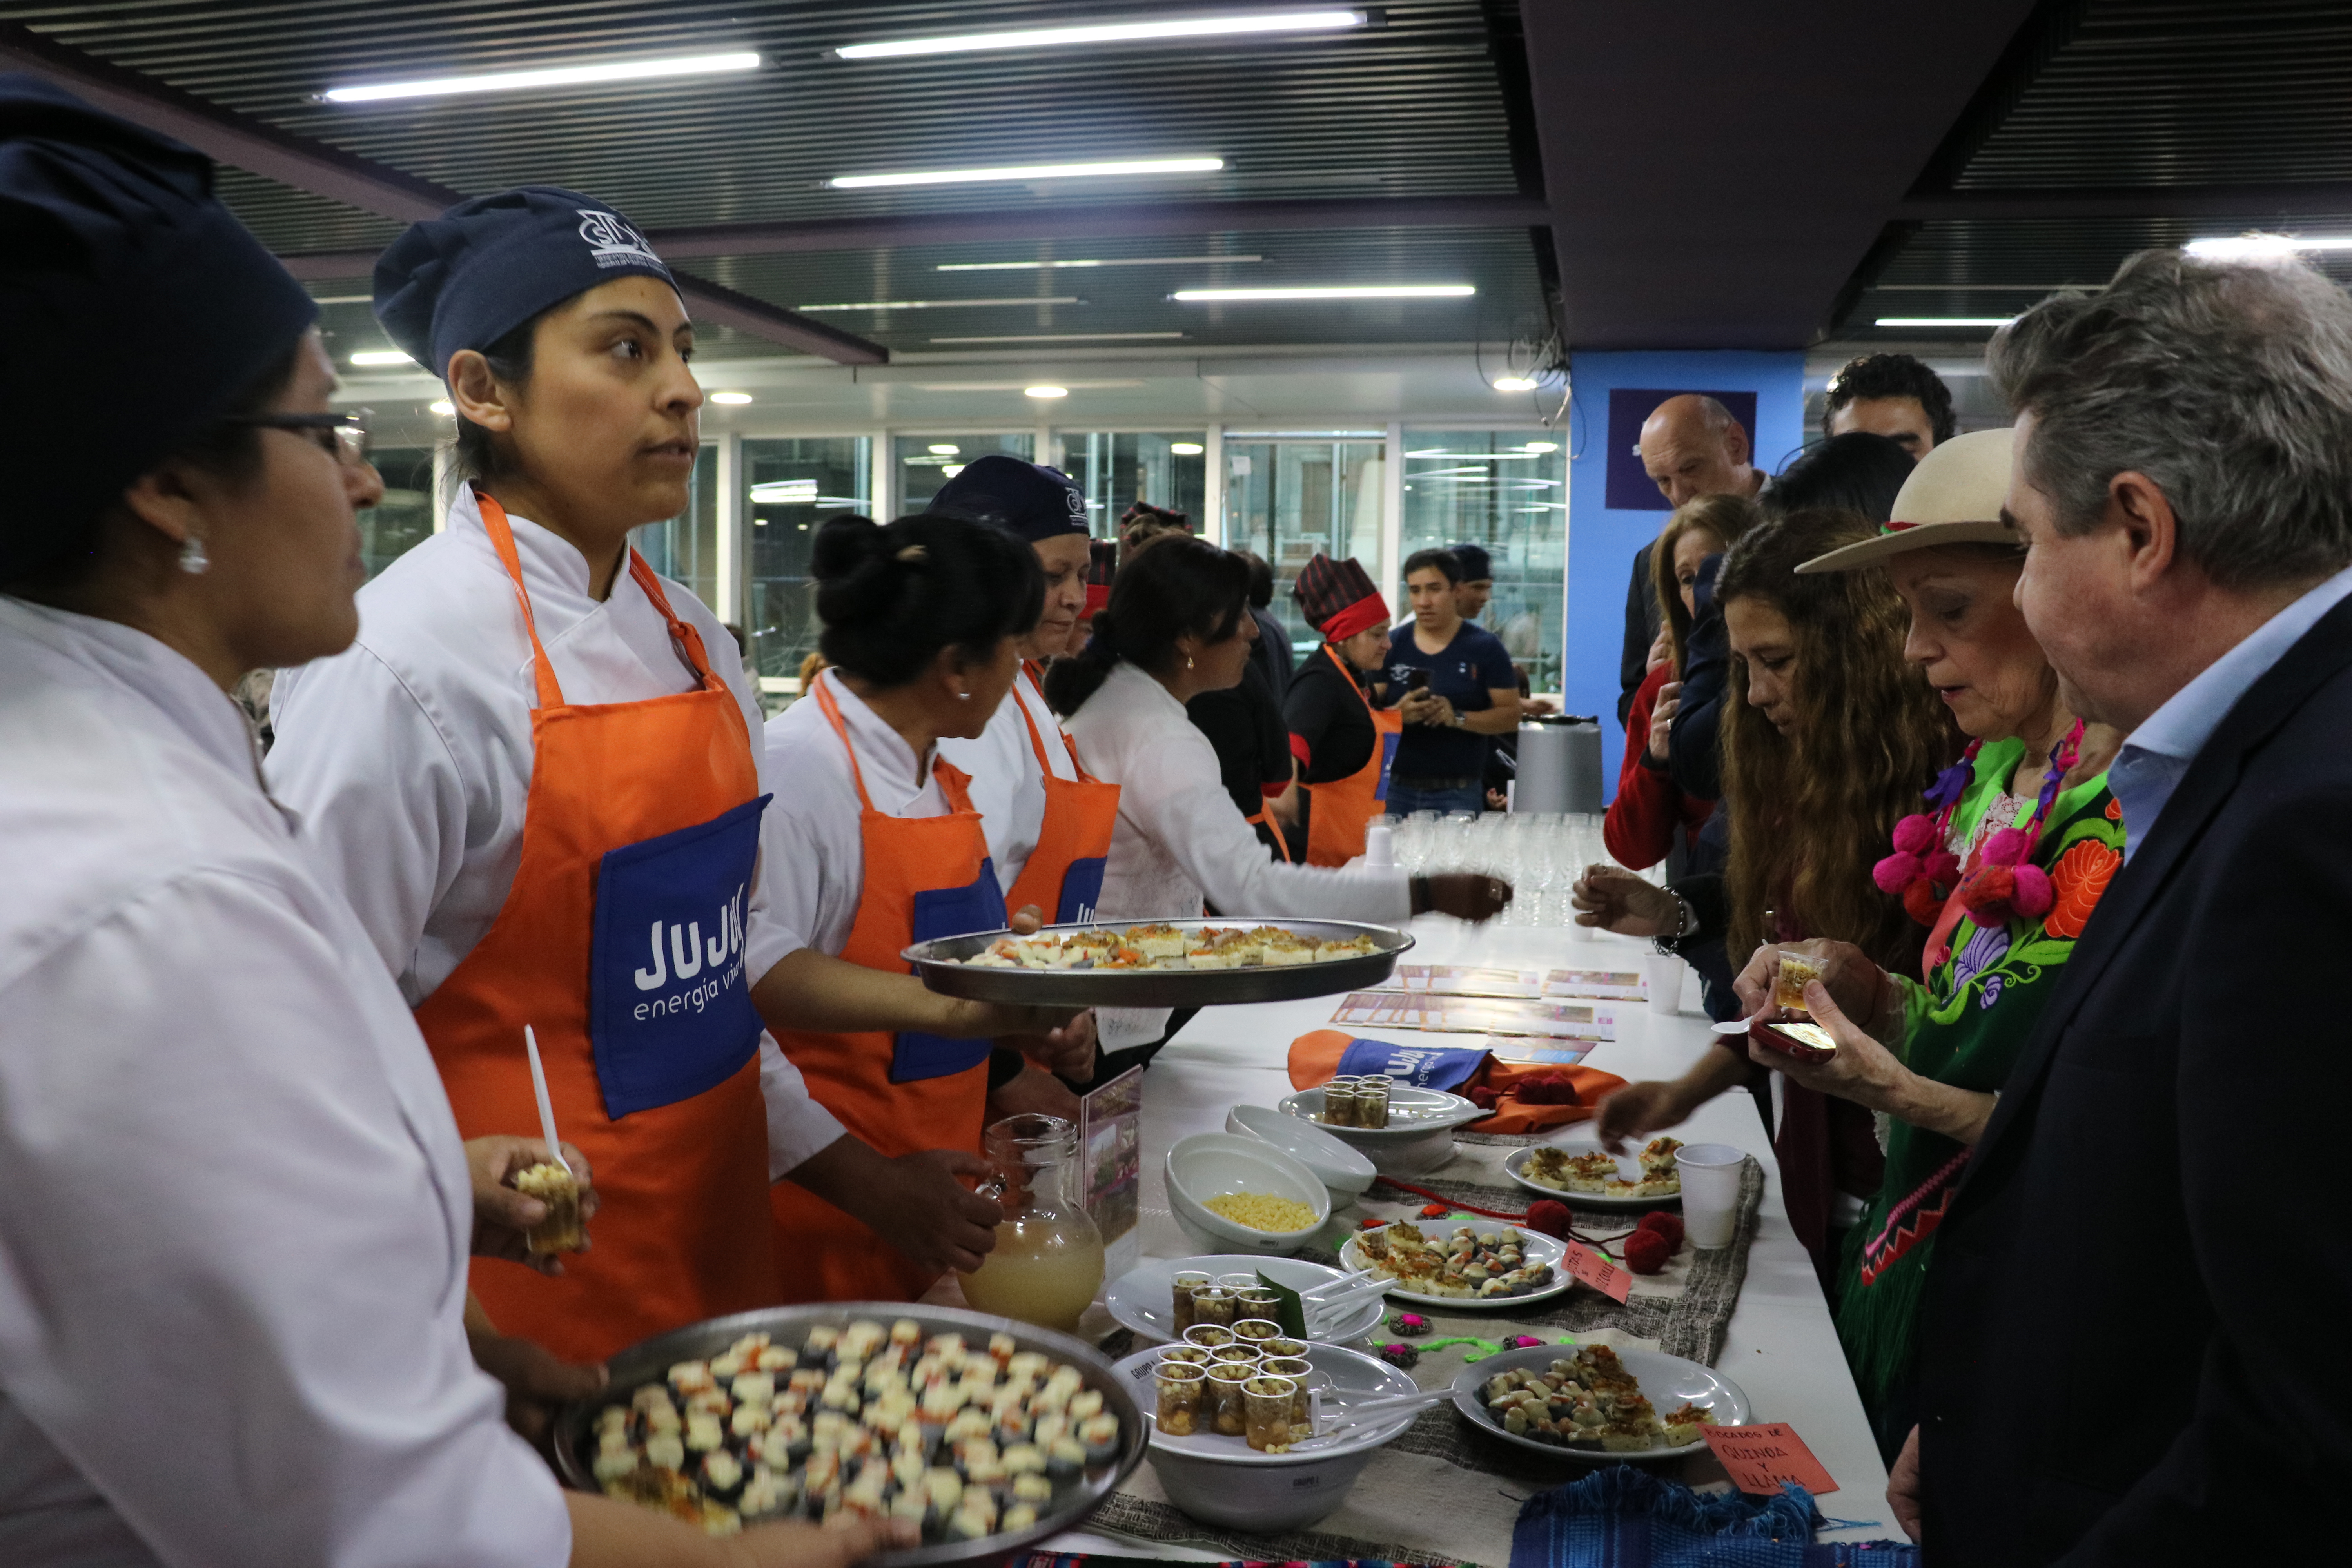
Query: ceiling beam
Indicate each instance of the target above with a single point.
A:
(248, 143)
(2295, 197)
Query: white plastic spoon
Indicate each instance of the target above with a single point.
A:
(546, 1108)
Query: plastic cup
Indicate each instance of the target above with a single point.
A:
(1213, 1307)
(1209, 1336)
(1266, 1412)
(1298, 1370)
(1189, 1355)
(1788, 983)
(1379, 848)
(1252, 1330)
(1181, 1388)
(1373, 1102)
(1339, 1102)
(1664, 971)
(1710, 1173)
(1224, 1399)
(1181, 1286)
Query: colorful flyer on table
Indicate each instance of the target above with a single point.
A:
(1614, 984)
(1475, 1016)
(1467, 980)
(1759, 1457)
(1110, 1141)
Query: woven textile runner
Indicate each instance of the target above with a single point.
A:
(1445, 1492)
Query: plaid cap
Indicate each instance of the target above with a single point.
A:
(1339, 597)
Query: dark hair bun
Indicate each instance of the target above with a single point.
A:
(892, 598)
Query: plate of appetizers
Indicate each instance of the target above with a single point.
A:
(1489, 1264)
(1581, 1172)
(1160, 963)
(1411, 1112)
(1598, 1404)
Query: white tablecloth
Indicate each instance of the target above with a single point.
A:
(1781, 1347)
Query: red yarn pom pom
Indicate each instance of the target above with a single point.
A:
(1646, 1252)
(1944, 869)
(1548, 1215)
(1896, 872)
(2006, 847)
(1669, 1226)
(1920, 902)
(1484, 1098)
(2034, 895)
(1548, 1088)
(1915, 834)
(1434, 1211)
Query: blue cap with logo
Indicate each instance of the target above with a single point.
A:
(467, 279)
(1022, 497)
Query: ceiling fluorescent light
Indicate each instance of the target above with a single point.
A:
(730, 398)
(1945, 320)
(1515, 383)
(1105, 261)
(1044, 392)
(381, 356)
(2264, 247)
(944, 449)
(1348, 291)
(1108, 33)
(550, 76)
(786, 492)
(949, 304)
(442, 406)
(1056, 337)
(1186, 448)
(1031, 171)
(1542, 447)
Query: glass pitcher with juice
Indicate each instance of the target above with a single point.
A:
(1048, 1261)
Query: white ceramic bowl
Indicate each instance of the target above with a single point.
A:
(1339, 1167)
(1212, 1164)
(1221, 1481)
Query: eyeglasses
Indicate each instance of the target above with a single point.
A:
(344, 435)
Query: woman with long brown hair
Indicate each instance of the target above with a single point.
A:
(1827, 733)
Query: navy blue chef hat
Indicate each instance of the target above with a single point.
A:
(139, 311)
(467, 279)
(1476, 567)
(1025, 499)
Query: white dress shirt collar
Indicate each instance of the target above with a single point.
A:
(158, 675)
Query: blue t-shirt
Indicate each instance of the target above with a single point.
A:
(1462, 672)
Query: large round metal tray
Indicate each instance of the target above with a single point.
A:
(649, 1359)
(938, 963)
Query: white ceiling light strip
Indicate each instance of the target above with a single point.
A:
(549, 75)
(1106, 261)
(1945, 320)
(1139, 32)
(1336, 291)
(1030, 172)
(2264, 247)
(949, 304)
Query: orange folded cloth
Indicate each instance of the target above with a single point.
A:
(1315, 1058)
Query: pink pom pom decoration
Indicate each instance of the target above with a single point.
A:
(1896, 873)
(1915, 834)
(2033, 895)
(2006, 847)
(1943, 868)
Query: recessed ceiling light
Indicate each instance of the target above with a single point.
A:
(442, 405)
(1336, 291)
(731, 399)
(1945, 320)
(944, 449)
(1515, 383)
(1104, 261)
(1541, 446)
(1044, 392)
(1186, 448)
(381, 356)
(949, 304)
(1031, 171)
(2264, 247)
(548, 76)
(1107, 33)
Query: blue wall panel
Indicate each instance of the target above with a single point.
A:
(1602, 540)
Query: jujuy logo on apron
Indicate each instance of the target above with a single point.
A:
(692, 954)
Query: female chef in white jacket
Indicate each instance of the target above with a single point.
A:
(233, 1240)
(1178, 624)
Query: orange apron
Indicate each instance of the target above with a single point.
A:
(925, 877)
(1064, 874)
(1264, 817)
(1339, 810)
(621, 944)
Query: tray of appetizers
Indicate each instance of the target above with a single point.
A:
(1160, 963)
(1598, 1404)
(1581, 1172)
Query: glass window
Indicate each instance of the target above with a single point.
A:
(927, 462)
(1505, 490)
(1286, 500)
(685, 549)
(404, 518)
(1116, 471)
(790, 487)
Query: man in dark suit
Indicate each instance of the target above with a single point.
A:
(2135, 1349)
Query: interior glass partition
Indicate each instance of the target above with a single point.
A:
(1287, 498)
(790, 486)
(924, 463)
(1118, 470)
(1505, 490)
(684, 548)
(404, 518)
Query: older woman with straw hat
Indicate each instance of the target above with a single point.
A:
(2013, 847)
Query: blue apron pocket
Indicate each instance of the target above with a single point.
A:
(948, 911)
(1387, 760)
(670, 1008)
(1081, 890)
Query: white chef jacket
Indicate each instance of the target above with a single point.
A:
(1008, 788)
(233, 1244)
(1178, 838)
(408, 756)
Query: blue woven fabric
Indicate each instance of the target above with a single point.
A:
(1628, 1518)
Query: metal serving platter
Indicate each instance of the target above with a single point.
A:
(937, 962)
(649, 1361)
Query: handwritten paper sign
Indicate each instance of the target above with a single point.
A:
(1589, 1267)
(1761, 1455)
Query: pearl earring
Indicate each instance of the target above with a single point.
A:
(1188, 661)
(193, 559)
(963, 696)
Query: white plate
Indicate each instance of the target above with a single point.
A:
(1340, 1166)
(1354, 1376)
(1412, 1113)
(1141, 1299)
(1668, 1382)
(1628, 1166)
(1537, 1246)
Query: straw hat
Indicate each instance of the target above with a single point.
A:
(1953, 497)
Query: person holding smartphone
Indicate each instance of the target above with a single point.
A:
(1459, 688)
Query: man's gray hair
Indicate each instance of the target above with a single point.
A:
(2228, 384)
